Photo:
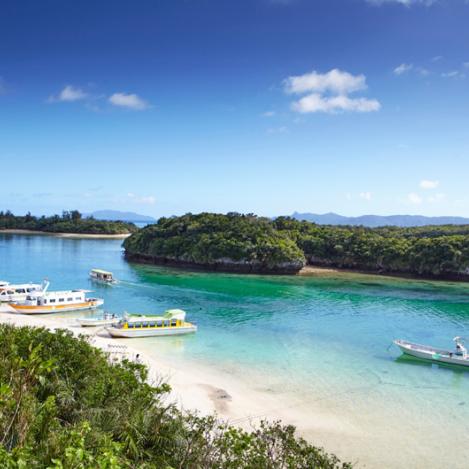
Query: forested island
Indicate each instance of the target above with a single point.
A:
(247, 243)
(69, 222)
(65, 404)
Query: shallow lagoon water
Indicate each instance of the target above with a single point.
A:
(313, 340)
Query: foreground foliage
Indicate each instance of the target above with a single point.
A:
(284, 245)
(69, 222)
(64, 405)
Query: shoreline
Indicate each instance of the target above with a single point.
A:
(65, 235)
(338, 423)
(208, 390)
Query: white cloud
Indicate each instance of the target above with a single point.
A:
(69, 94)
(437, 58)
(465, 64)
(277, 130)
(437, 198)
(403, 68)
(428, 184)
(403, 2)
(317, 103)
(365, 195)
(328, 92)
(268, 114)
(453, 74)
(128, 100)
(335, 81)
(414, 198)
(148, 200)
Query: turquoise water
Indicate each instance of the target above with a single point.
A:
(307, 339)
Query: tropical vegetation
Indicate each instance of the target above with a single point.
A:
(65, 404)
(255, 244)
(236, 242)
(68, 222)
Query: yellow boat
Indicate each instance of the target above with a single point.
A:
(173, 322)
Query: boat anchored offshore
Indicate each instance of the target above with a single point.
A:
(102, 276)
(106, 320)
(172, 322)
(18, 292)
(45, 302)
(457, 357)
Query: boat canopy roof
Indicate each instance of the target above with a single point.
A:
(169, 314)
(100, 271)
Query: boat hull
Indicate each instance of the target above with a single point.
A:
(150, 332)
(97, 322)
(27, 309)
(429, 354)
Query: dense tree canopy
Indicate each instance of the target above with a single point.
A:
(253, 244)
(64, 404)
(228, 242)
(68, 222)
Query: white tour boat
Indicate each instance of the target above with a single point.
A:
(102, 276)
(106, 320)
(172, 322)
(18, 292)
(44, 302)
(457, 357)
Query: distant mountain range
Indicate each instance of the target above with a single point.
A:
(379, 220)
(114, 215)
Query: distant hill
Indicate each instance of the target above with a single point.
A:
(379, 220)
(113, 215)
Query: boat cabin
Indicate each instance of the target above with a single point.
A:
(102, 275)
(56, 298)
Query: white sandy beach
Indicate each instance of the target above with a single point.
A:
(67, 235)
(342, 424)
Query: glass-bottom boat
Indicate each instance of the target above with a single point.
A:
(172, 322)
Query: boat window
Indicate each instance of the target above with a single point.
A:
(130, 325)
(69, 299)
(61, 300)
(51, 301)
(20, 290)
(29, 290)
(173, 322)
(159, 323)
(77, 298)
(45, 302)
(166, 324)
(152, 324)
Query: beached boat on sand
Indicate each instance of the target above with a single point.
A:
(45, 302)
(100, 275)
(18, 292)
(457, 357)
(173, 322)
(106, 320)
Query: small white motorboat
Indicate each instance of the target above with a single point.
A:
(103, 276)
(457, 357)
(108, 319)
(19, 292)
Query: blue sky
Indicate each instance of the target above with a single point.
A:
(265, 106)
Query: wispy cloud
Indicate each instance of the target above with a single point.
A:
(407, 3)
(145, 200)
(329, 92)
(128, 100)
(69, 94)
(403, 68)
(429, 184)
(414, 198)
(365, 195)
(277, 130)
(268, 114)
(453, 74)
